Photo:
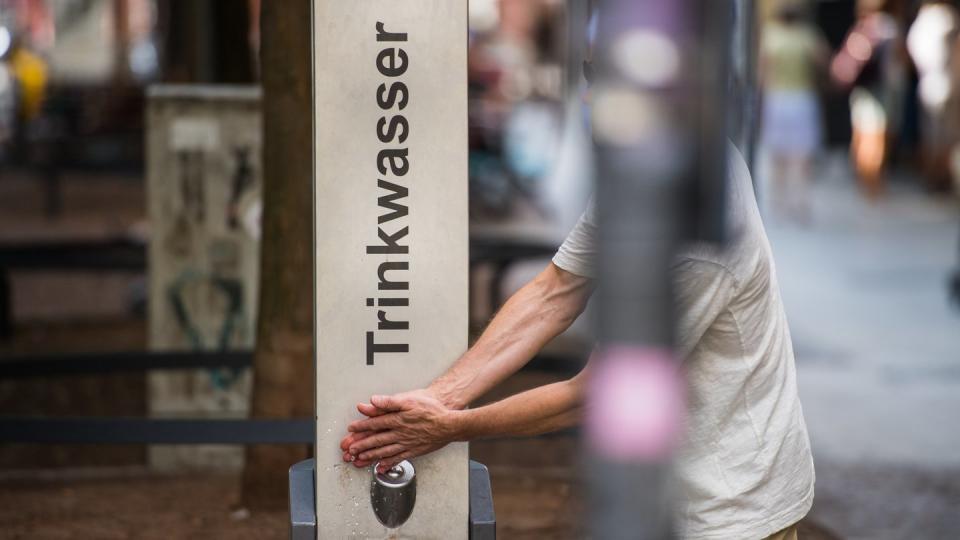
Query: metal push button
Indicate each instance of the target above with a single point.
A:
(393, 494)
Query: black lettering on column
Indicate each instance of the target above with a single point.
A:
(389, 202)
(392, 62)
(389, 302)
(386, 324)
(383, 35)
(387, 285)
(373, 348)
(392, 199)
(391, 245)
(395, 159)
(387, 98)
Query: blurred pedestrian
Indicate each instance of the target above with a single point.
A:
(952, 112)
(793, 54)
(8, 93)
(930, 43)
(869, 63)
(30, 75)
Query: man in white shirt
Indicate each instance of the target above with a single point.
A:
(745, 469)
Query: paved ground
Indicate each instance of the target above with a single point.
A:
(878, 354)
(533, 501)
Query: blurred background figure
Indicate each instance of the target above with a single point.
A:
(30, 71)
(954, 111)
(23, 81)
(869, 62)
(793, 54)
(8, 98)
(516, 90)
(931, 42)
(30, 75)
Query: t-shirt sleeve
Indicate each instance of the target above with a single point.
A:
(703, 289)
(577, 254)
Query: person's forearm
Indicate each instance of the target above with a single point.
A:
(540, 410)
(537, 313)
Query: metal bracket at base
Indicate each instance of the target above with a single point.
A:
(303, 503)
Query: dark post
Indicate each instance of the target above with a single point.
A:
(657, 110)
(6, 306)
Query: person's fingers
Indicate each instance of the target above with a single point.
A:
(367, 409)
(373, 441)
(348, 457)
(387, 403)
(359, 463)
(382, 452)
(350, 438)
(378, 423)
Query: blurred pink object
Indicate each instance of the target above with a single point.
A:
(635, 404)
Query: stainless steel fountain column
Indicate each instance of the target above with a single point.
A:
(391, 245)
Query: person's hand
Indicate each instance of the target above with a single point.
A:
(367, 409)
(399, 427)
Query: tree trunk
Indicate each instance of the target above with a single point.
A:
(283, 363)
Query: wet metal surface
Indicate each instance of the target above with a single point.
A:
(393, 493)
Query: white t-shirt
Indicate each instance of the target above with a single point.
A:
(745, 470)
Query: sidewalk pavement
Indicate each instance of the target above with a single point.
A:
(878, 353)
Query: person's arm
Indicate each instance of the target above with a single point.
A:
(537, 313)
(416, 424)
(534, 315)
(540, 410)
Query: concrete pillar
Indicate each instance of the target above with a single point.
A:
(390, 106)
(203, 197)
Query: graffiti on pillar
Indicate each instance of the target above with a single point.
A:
(190, 165)
(222, 289)
(242, 183)
(217, 284)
